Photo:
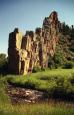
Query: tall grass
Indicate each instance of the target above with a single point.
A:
(4, 98)
(57, 83)
(36, 109)
(42, 81)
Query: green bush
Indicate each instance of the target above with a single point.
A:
(58, 59)
(3, 63)
(36, 69)
(72, 48)
(29, 84)
(68, 65)
(50, 62)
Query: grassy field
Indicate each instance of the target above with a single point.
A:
(58, 83)
(60, 80)
(36, 109)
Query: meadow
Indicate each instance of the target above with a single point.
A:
(57, 83)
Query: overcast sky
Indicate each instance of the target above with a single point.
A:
(29, 14)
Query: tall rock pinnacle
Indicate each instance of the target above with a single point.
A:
(51, 31)
(33, 49)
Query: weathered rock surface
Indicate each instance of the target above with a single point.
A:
(33, 49)
(22, 95)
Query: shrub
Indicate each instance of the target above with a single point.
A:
(68, 65)
(36, 69)
(58, 57)
(29, 84)
(3, 63)
(72, 48)
(57, 60)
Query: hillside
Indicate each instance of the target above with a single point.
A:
(66, 43)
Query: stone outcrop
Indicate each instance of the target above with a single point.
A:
(22, 95)
(33, 49)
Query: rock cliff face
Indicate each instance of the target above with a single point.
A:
(33, 49)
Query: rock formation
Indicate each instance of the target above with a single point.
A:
(33, 49)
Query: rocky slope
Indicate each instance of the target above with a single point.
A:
(34, 49)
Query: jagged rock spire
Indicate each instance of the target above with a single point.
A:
(33, 49)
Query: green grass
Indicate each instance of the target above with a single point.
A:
(56, 82)
(36, 109)
(4, 99)
(46, 80)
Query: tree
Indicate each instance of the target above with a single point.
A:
(65, 29)
(50, 62)
(3, 63)
(58, 58)
(72, 32)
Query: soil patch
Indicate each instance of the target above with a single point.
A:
(21, 95)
